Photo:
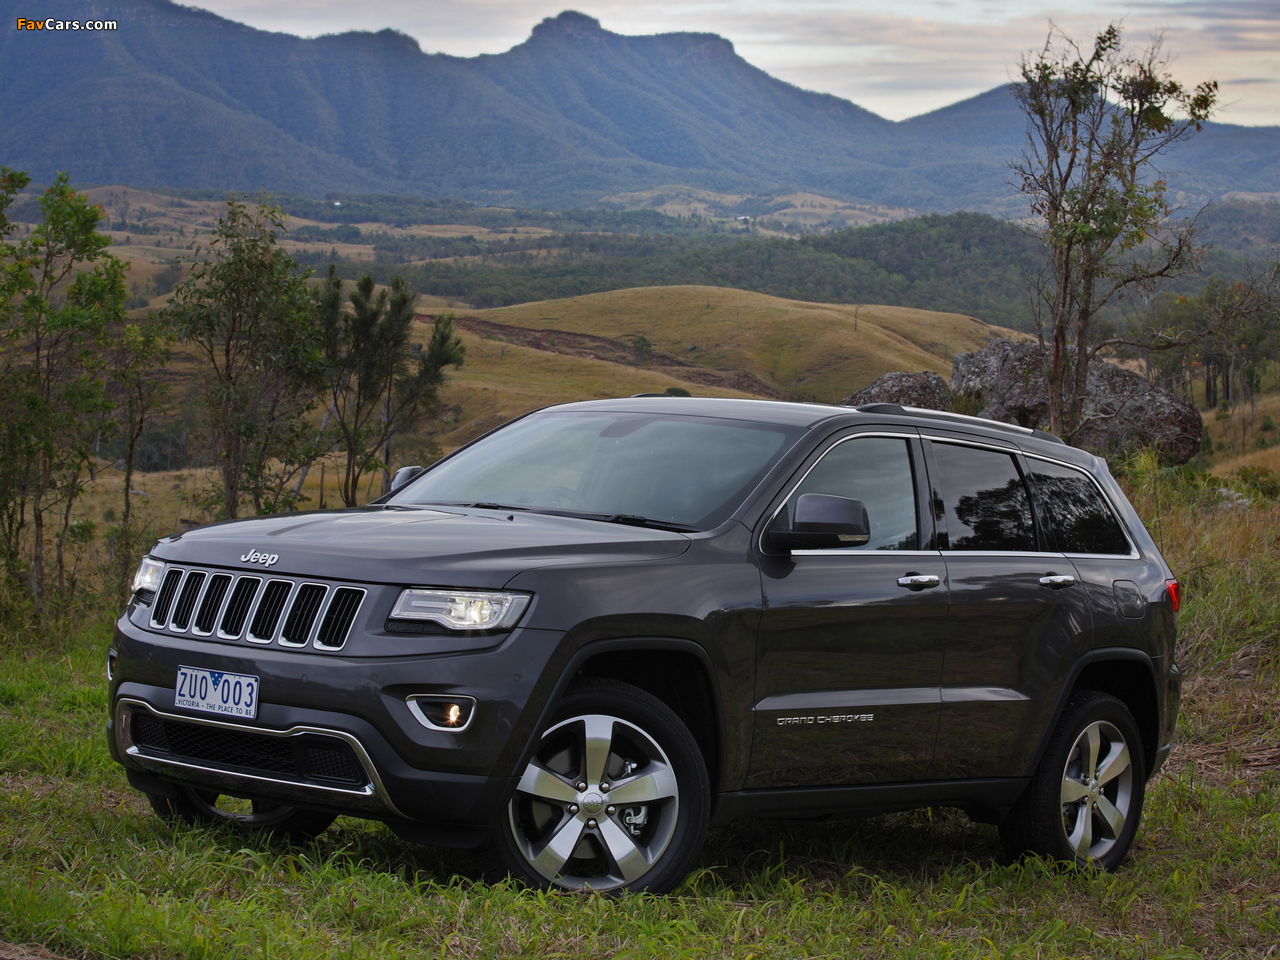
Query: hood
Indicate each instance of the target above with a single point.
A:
(415, 545)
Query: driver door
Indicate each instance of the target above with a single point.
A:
(850, 651)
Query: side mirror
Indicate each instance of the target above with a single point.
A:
(823, 521)
(403, 476)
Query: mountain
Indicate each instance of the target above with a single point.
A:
(177, 96)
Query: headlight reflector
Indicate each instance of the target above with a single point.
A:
(461, 609)
(148, 575)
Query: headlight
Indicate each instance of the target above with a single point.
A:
(148, 575)
(461, 610)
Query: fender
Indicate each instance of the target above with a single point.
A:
(1064, 693)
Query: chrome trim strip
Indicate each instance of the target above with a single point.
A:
(420, 715)
(981, 694)
(374, 791)
(855, 552)
(825, 699)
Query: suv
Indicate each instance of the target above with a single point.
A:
(588, 635)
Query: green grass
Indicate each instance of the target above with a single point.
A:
(86, 869)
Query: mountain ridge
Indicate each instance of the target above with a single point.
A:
(178, 96)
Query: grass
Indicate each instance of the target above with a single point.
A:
(86, 869)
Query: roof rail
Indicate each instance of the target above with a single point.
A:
(897, 408)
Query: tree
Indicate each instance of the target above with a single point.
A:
(249, 317)
(1096, 122)
(378, 381)
(135, 352)
(60, 291)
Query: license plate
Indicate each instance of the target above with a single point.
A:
(211, 691)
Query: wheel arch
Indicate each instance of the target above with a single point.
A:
(1125, 673)
(678, 672)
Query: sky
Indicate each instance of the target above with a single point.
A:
(898, 58)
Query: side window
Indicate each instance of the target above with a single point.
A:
(1075, 507)
(877, 471)
(986, 500)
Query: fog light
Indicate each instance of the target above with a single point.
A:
(442, 713)
(111, 665)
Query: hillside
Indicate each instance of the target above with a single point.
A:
(710, 341)
(574, 115)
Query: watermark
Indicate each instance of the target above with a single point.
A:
(24, 23)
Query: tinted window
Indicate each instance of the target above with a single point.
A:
(987, 505)
(877, 471)
(687, 470)
(1076, 510)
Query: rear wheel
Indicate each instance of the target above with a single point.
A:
(1085, 800)
(615, 797)
(207, 808)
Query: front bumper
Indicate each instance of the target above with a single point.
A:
(335, 733)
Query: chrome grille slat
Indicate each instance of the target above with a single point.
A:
(229, 605)
(214, 594)
(338, 619)
(187, 597)
(267, 617)
(238, 607)
(306, 604)
(160, 612)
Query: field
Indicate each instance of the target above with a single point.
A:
(87, 871)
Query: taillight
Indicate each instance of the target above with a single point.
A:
(1175, 594)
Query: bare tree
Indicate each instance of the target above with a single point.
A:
(1096, 122)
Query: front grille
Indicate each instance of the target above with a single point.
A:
(244, 607)
(305, 757)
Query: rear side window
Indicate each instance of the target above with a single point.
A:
(986, 501)
(1080, 518)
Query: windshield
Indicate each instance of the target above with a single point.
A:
(690, 471)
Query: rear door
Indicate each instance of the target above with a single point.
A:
(1018, 611)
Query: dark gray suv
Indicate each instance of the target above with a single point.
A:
(585, 637)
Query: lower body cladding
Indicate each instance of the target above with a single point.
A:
(327, 735)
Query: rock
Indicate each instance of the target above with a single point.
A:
(924, 389)
(1121, 408)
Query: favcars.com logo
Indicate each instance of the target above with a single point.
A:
(51, 24)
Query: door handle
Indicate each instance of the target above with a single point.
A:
(1057, 580)
(919, 580)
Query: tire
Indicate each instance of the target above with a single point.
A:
(615, 798)
(208, 808)
(1085, 800)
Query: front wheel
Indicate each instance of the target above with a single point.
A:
(208, 808)
(615, 797)
(1085, 800)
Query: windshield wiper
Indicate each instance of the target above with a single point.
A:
(633, 520)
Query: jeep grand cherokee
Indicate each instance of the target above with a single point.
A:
(583, 638)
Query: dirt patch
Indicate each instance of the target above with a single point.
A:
(613, 351)
(12, 951)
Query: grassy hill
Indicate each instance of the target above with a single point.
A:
(789, 348)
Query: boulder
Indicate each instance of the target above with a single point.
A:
(1121, 408)
(924, 389)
